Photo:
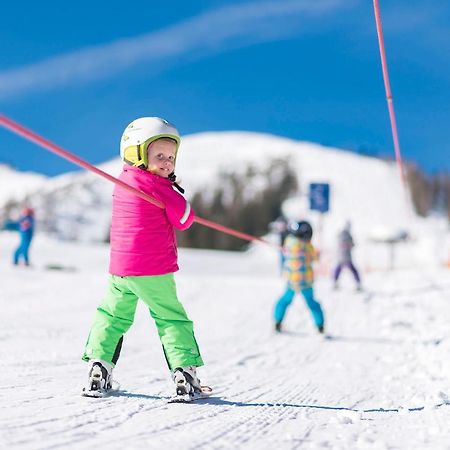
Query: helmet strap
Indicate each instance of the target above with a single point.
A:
(172, 177)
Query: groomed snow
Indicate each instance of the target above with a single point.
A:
(380, 381)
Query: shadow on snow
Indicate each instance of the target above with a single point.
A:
(218, 401)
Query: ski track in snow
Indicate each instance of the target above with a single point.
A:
(379, 379)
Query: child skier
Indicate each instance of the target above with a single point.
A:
(143, 259)
(25, 226)
(346, 244)
(299, 255)
(280, 227)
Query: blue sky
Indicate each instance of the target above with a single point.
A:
(79, 72)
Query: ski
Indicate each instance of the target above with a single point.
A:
(206, 391)
(98, 393)
(101, 393)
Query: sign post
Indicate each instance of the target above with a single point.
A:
(319, 197)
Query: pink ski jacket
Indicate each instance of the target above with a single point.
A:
(142, 235)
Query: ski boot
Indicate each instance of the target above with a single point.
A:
(187, 385)
(278, 327)
(320, 329)
(99, 379)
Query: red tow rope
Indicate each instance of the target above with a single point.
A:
(42, 142)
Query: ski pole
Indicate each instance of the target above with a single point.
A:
(26, 133)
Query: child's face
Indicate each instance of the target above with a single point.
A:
(161, 157)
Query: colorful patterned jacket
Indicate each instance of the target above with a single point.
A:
(299, 257)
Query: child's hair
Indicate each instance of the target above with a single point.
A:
(165, 138)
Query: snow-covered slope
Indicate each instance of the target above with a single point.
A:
(380, 381)
(365, 190)
(16, 185)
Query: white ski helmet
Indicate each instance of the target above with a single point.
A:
(139, 134)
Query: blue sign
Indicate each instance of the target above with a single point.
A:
(319, 197)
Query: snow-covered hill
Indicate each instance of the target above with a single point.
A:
(365, 190)
(15, 186)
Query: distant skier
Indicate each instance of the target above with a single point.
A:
(298, 271)
(25, 226)
(143, 261)
(280, 227)
(345, 247)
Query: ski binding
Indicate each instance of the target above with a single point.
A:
(184, 397)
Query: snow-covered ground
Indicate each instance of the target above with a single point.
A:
(381, 380)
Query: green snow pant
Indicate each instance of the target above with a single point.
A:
(115, 315)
